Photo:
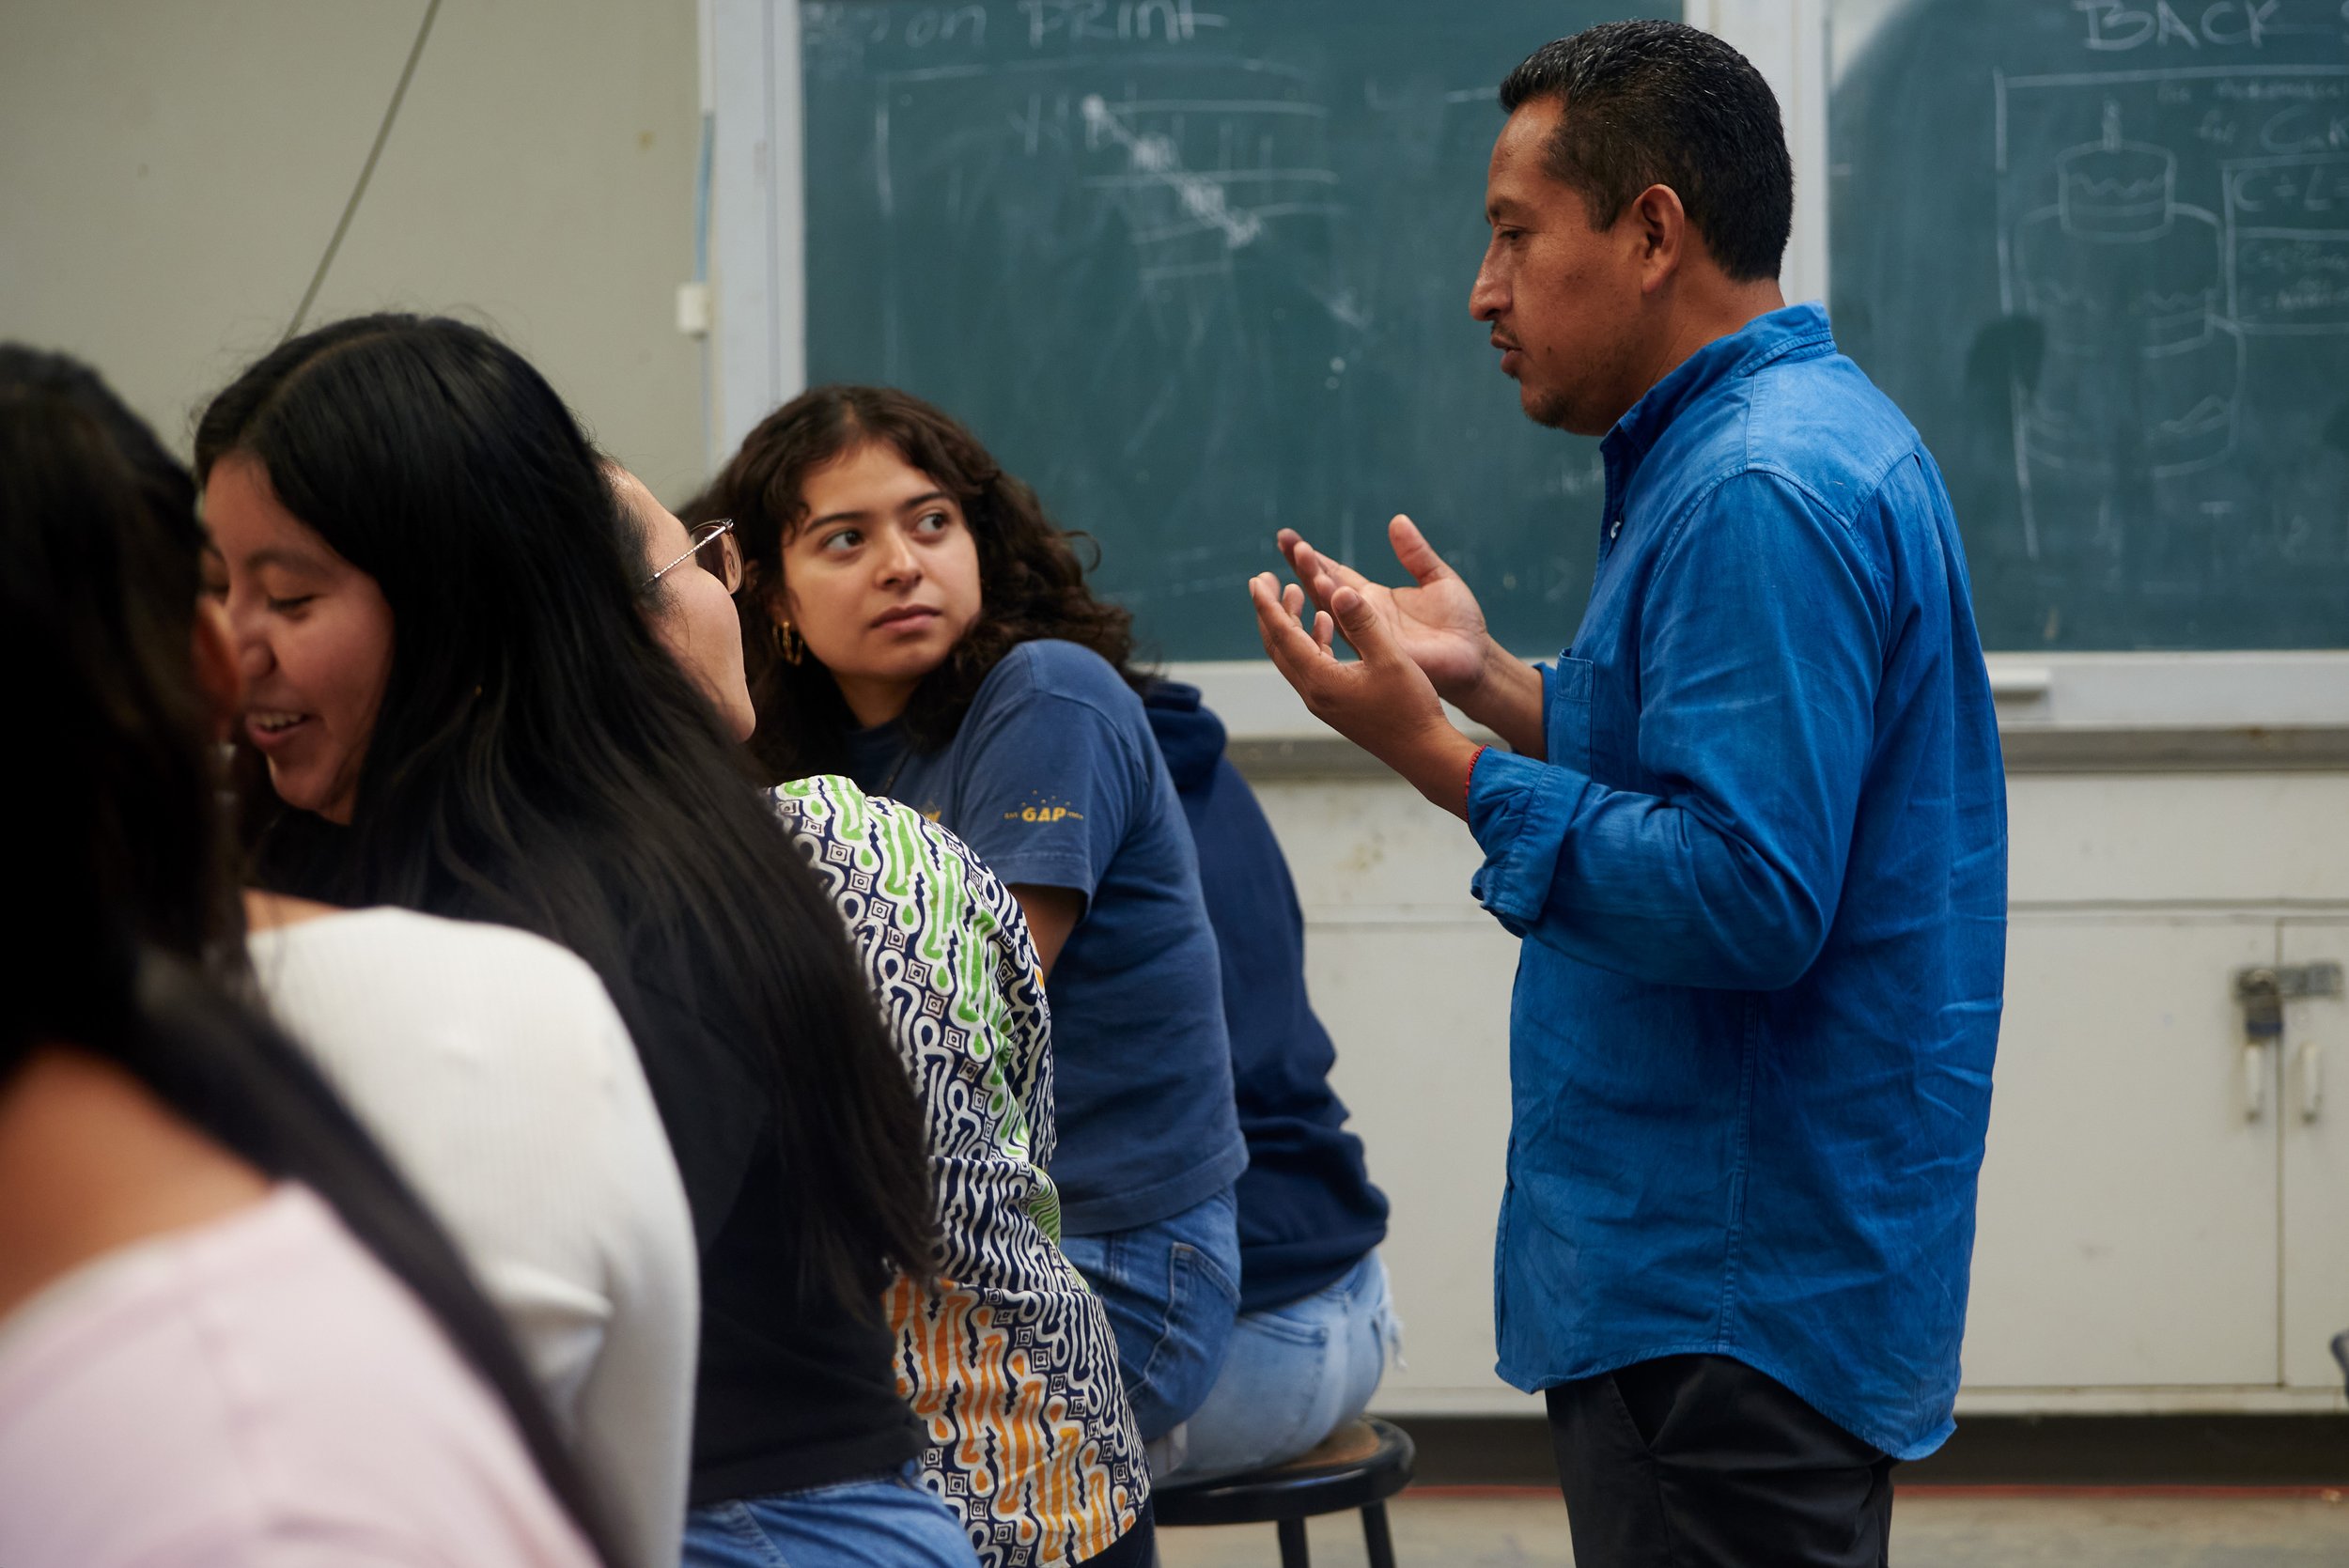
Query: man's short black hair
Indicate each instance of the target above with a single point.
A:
(1662, 104)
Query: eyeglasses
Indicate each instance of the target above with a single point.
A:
(728, 565)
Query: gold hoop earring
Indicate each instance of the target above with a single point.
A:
(789, 644)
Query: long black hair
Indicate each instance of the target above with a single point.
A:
(1032, 582)
(539, 759)
(132, 578)
(124, 934)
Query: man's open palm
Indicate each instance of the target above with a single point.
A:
(1435, 622)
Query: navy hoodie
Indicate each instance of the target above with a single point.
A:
(1307, 1210)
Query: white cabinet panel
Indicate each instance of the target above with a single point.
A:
(2184, 838)
(1371, 848)
(2315, 1058)
(1421, 1017)
(2128, 1218)
(1412, 981)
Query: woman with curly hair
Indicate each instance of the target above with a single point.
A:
(912, 619)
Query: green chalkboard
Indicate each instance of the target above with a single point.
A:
(2099, 251)
(1198, 269)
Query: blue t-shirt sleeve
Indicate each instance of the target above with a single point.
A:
(1048, 769)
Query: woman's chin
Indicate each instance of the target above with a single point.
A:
(294, 789)
(903, 665)
(298, 789)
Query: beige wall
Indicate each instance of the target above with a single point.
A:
(171, 171)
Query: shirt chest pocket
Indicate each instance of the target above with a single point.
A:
(1566, 727)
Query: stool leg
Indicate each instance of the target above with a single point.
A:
(1292, 1553)
(1374, 1536)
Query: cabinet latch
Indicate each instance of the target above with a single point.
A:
(2262, 991)
(2285, 983)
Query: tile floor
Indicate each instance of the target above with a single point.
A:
(1932, 1528)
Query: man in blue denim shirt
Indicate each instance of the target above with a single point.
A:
(1754, 835)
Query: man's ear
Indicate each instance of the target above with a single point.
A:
(217, 675)
(1661, 225)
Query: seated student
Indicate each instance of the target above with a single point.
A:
(1010, 1363)
(1315, 1323)
(463, 711)
(491, 1066)
(912, 619)
(227, 1335)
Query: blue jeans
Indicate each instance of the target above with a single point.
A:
(1295, 1374)
(857, 1523)
(1172, 1288)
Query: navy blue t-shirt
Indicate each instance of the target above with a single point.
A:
(1307, 1210)
(1054, 780)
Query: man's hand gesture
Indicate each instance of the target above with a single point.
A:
(1435, 622)
(1382, 701)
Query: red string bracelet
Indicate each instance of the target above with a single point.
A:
(1469, 784)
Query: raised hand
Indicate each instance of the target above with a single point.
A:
(1382, 701)
(1435, 622)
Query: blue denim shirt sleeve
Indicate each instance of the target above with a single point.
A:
(1760, 653)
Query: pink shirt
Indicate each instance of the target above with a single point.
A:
(257, 1391)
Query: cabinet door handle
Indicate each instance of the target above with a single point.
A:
(2254, 1081)
(2311, 1060)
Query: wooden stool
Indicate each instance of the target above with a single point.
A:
(1360, 1464)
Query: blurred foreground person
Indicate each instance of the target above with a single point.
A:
(227, 1333)
(493, 1070)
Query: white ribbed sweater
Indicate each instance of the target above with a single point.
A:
(491, 1066)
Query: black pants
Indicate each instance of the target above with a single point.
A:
(1702, 1461)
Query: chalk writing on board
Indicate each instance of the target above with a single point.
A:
(1154, 156)
(1125, 20)
(1204, 164)
(836, 34)
(2288, 243)
(2146, 263)
(2126, 280)
(1218, 169)
(2122, 26)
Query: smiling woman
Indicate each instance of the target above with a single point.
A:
(313, 636)
(188, 1212)
(452, 659)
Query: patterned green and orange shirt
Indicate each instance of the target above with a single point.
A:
(1010, 1365)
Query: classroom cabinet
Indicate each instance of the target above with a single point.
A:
(2127, 1232)
(2312, 1125)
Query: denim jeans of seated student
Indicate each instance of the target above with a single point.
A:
(1295, 1374)
(878, 1520)
(1172, 1289)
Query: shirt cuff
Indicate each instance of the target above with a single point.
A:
(1519, 809)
